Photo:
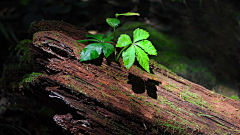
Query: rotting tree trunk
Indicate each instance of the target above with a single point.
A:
(102, 97)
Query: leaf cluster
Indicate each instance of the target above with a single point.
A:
(139, 48)
(99, 45)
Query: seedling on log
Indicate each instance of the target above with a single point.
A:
(139, 48)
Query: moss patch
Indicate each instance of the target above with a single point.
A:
(14, 74)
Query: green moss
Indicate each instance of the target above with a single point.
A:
(234, 97)
(105, 100)
(118, 128)
(75, 43)
(31, 26)
(27, 78)
(15, 73)
(35, 36)
(113, 88)
(170, 125)
(194, 99)
(23, 48)
(173, 126)
(160, 66)
(133, 105)
(78, 46)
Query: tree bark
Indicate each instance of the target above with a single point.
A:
(103, 97)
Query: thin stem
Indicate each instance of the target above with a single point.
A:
(115, 52)
(113, 32)
(114, 42)
(121, 52)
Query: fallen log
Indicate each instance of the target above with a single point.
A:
(103, 97)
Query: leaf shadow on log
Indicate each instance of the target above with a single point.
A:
(97, 62)
(139, 85)
(110, 59)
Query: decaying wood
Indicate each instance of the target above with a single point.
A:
(102, 97)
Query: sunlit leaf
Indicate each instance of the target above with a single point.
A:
(142, 58)
(140, 34)
(91, 51)
(98, 36)
(127, 14)
(147, 46)
(113, 22)
(107, 49)
(123, 40)
(129, 56)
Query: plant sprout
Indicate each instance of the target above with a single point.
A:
(139, 48)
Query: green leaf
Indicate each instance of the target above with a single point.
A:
(108, 39)
(147, 46)
(91, 51)
(129, 56)
(107, 49)
(142, 58)
(86, 40)
(123, 40)
(113, 22)
(127, 14)
(98, 36)
(140, 34)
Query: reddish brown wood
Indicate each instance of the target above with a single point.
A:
(103, 97)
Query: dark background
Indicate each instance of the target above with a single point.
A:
(197, 39)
